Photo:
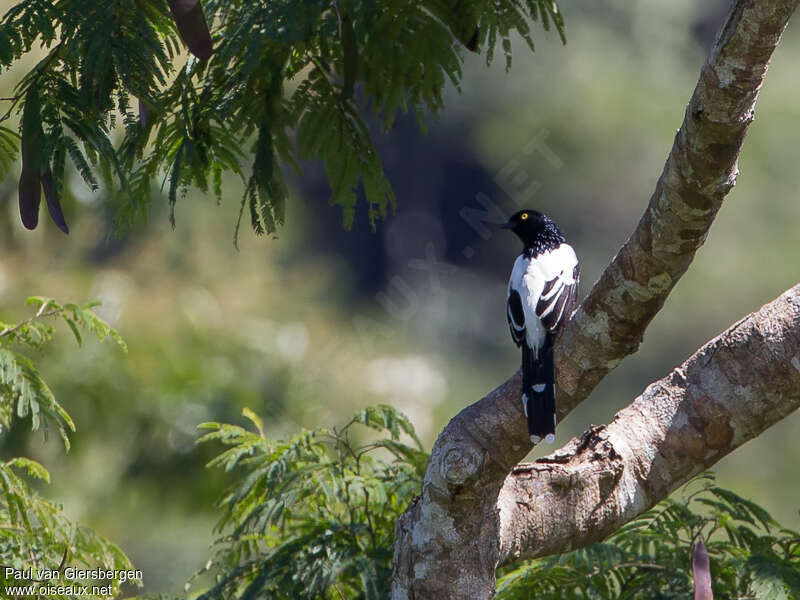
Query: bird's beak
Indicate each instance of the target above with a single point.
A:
(507, 225)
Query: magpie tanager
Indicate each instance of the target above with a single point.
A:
(541, 295)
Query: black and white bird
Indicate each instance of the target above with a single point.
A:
(541, 295)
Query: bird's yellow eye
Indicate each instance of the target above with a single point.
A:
(523, 216)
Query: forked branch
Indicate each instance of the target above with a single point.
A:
(732, 389)
(470, 517)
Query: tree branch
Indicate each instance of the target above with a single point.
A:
(701, 169)
(448, 543)
(727, 393)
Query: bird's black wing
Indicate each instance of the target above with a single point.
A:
(516, 317)
(558, 299)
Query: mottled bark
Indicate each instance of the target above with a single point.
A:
(452, 538)
(701, 169)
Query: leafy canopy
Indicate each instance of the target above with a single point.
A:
(287, 80)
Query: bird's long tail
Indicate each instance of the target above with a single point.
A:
(539, 391)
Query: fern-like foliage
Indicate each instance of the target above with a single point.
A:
(37, 535)
(650, 557)
(311, 68)
(23, 391)
(313, 517)
(9, 147)
(34, 532)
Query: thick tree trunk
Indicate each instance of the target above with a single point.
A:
(478, 510)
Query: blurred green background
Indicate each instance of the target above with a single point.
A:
(308, 327)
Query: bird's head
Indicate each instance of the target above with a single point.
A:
(537, 231)
(528, 225)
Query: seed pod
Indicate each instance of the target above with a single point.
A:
(192, 26)
(30, 182)
(53, 205)
(30, 194)
(35, 174)
(701, 570)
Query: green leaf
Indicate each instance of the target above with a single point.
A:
(201, 114)
(33, 468)
(768, 583)
(313, 514)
